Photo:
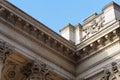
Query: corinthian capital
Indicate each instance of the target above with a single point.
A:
(39, 71)
(5, 50)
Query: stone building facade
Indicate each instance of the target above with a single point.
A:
(31, 51)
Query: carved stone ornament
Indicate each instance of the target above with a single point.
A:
(26, 69)
(31, 29)
(11, 74)
(9, 70)
(106, 75)
(113, 73)
(92, 28)
(39, 71)
(114, 67)
(5, 50)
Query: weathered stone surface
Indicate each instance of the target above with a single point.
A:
(91, 51)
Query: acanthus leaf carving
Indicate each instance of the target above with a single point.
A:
(5, 50)
(112, 73)
(106, 75)
(26, 69)
(93, 27)
(39, 71)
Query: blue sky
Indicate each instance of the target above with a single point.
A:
(57, 13)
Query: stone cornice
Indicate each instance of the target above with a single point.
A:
(28, 19)
(68, 25)
(95, 44)
(101, 63)
(36, 29)
(110, 27)
(19, 19)
(91, 17)
(111, 4)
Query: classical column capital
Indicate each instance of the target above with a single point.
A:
(112, 72)
(5, 50)
(39, 71)
(26, 69)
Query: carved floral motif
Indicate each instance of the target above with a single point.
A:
(5, 50)
(9, 70)
(26, 69)
(39, 71)
(93, 27)
(113, 73)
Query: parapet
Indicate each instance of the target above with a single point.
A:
(93, 24)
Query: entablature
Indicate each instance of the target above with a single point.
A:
(27, 24)
(99, 41)
(17, 66)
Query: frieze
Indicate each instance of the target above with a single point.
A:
(92, 27)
